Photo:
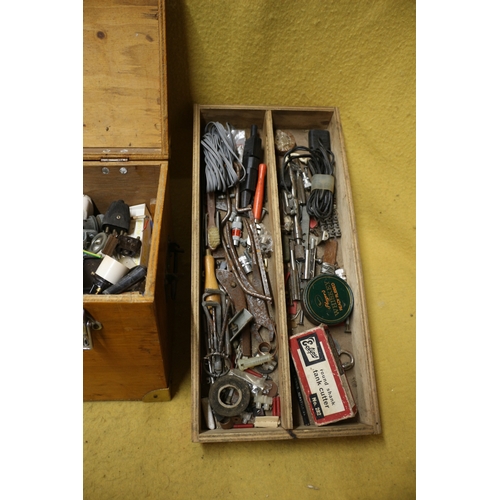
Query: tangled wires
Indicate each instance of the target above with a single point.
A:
(320, 202)
(219, 151)
(321, 161)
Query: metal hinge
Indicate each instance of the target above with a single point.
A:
(89, 324)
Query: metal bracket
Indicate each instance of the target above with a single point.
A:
(238, 322)
(157, 396)
(89, 324)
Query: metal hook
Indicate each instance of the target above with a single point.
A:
(350, 363)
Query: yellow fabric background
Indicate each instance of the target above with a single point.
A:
(359, 56)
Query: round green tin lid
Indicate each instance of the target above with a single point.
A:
(327, 299)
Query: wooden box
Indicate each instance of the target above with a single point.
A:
(125, 139)
(352, 336)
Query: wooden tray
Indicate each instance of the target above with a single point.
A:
(361, 377)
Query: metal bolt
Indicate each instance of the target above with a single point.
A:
(105, 170)
(123, 170)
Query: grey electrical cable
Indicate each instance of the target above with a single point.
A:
(219, 154)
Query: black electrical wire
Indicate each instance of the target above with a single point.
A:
(289, 158)
(219, 153)
(320, 202)
(320, 161)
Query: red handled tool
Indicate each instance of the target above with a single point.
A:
(259, 193)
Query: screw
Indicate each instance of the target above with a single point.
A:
(105, 170)
(123, 170)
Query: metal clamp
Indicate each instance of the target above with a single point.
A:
(89, 324)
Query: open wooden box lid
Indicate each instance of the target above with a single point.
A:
(125, 80)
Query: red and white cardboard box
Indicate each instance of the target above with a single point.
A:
(322, 377)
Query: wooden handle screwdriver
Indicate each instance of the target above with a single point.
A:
(259, 193)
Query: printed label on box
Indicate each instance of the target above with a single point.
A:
(311, 351)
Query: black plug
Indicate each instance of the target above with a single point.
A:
(319, 137)
(117, 218)
(252, 158)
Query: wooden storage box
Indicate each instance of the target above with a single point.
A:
(125, 139)
(353, 336)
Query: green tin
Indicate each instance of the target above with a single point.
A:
(327, 299)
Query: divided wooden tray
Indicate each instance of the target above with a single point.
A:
(353, 337)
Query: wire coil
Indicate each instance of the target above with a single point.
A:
(320, 203)
(219, 152)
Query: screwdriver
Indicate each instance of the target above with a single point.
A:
(259, 193)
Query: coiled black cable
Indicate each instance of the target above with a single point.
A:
(320, 203)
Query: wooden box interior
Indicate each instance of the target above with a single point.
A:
(143, 182)
(130, 355)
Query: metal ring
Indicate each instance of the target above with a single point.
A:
(350, 364)
(266, 348)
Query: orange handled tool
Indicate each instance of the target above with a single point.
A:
(259, 193)
(210, 278)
